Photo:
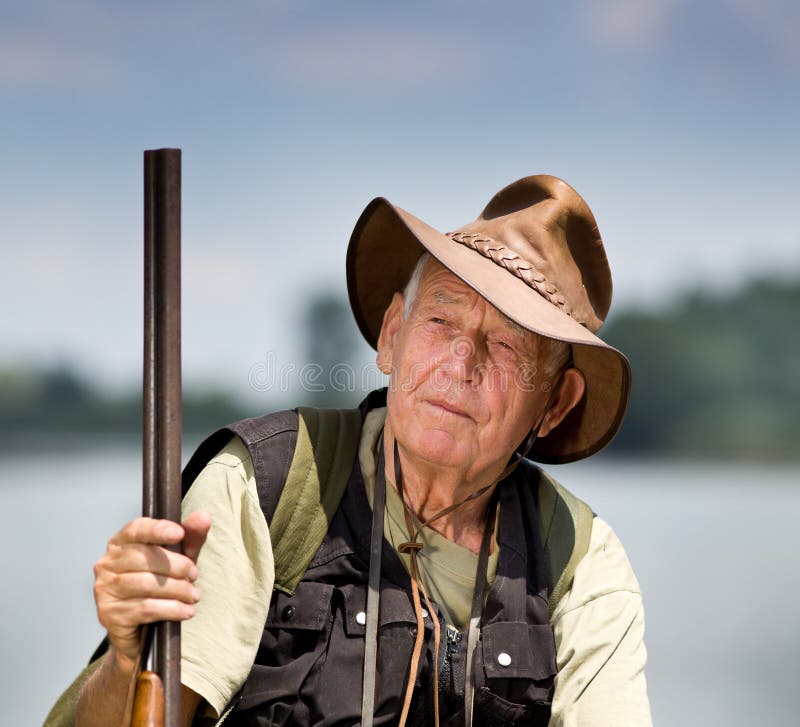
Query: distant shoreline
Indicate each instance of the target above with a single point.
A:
(714, 377)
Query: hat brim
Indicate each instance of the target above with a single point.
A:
(385, 245)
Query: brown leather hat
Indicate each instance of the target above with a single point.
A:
(535, 253)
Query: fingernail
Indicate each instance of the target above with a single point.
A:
(196, 594)
(188, 610)
(193, 573)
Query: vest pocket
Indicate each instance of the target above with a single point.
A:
(515, 685)
(494, 711)
(294, 640)
(396, 610)
(339, 681)
(513, 649)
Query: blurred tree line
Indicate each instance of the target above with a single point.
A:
(714, 375)
(43, 405)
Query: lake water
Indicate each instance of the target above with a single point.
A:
(714, 547)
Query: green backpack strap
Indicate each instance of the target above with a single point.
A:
(566, 527)
(327, 443)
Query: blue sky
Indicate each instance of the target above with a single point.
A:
(677, 121)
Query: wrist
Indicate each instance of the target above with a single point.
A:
(123, 663)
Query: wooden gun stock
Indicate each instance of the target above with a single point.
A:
(148, 705)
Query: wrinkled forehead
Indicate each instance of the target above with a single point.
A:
(440, 286)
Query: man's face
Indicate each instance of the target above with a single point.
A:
(466, 382)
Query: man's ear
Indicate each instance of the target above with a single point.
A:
(570, 391)
(392, 319)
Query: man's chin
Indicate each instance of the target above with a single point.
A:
(437, 446)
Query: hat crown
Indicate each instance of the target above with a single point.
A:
(541, 230)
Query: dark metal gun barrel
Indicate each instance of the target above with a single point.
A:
(162, 382)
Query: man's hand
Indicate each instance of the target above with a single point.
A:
(138, 581)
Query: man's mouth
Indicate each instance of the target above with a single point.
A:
(448, 408)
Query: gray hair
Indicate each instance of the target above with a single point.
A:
(555, 354)
(412, 286)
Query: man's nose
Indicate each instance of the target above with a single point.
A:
(464, 358)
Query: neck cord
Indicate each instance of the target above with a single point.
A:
(412, 548)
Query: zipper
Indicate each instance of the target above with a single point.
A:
(454, 639)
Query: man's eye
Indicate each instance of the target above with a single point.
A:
(505, 345)
(439, 321)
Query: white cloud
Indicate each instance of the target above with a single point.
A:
(628, 24)
(387, 56)
(43, 58)
(91, 44)
(87, 44)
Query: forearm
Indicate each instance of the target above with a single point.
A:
(103, 698)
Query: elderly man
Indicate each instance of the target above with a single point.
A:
(446, 585)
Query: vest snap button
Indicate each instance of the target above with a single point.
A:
(361, 618)
(504, 659)
(413, 631)
(424, 613)
(288, 612)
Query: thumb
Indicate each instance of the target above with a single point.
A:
(195, 527)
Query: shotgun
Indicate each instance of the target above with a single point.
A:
(157, 702)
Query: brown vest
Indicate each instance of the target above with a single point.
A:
(309, 663)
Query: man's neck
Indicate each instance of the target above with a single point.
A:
(428, 489)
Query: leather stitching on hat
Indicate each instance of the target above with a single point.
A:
(501, 255)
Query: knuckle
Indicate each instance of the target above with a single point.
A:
(132, 528)
(100, 585)
(149, 609)
(184, 566)
(108, 617)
